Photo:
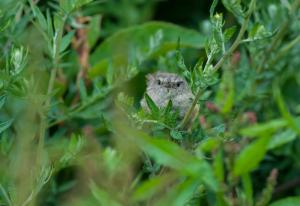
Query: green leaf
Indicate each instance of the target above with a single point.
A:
(168, 108)
(284, 110)
(218, 166)
(110, 74)
(234, 6)
(70, 5)
(181, 193)
(282, 138)
(229, 33)
(102, 196)
(66, 40)
(40, 17)
(225, 95)
(248, 188)
(176, 134)
(258, 32)
(250, 157)
(152, 106)
(82, 90)
(136, 39)
(2, 100)
(94, 30)
(263, 128)
(5, 125)
(152, 186)
(213, 7)
(209, 144)
(289, 201)
(171, 155)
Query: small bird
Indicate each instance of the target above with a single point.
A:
(163, 86)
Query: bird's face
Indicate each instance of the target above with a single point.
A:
(166, 82)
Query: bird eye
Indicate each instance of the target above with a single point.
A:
(178, 84)
(158, 82)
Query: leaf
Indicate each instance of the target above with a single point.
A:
(2, 100)
(5, 125)
(225, 95)
(209, 144)
(102, 196)
(282, 138)
(229, 33)
(250, 157)
(218, 166)
(137, 39)
(70, 5)
(152, 106)
(248, 188)
(284, 110)
(289, 201)
(168, 108)
(66, 40)
(213, 7)
(263, 128)
(176, 134)
(82, 90)
(258, 32)
(181, 193)
(234, 6)
(171, 155)
(94, 30)
(153, 186)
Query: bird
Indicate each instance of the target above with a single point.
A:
(163, 87)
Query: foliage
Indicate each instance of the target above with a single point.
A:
(72, 131)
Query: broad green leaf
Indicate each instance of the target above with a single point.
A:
(250, 157)
(137, 40)
(5, 125)
(289, 201)
(263, 128)
(171, 155)
(282, 138)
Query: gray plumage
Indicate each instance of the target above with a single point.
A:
(163, 86)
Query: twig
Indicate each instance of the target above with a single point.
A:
(221, 61)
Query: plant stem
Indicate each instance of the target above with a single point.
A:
(278, 37)
(233, 47)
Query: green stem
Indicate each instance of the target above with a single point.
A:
(278, 37)
(233, 47)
